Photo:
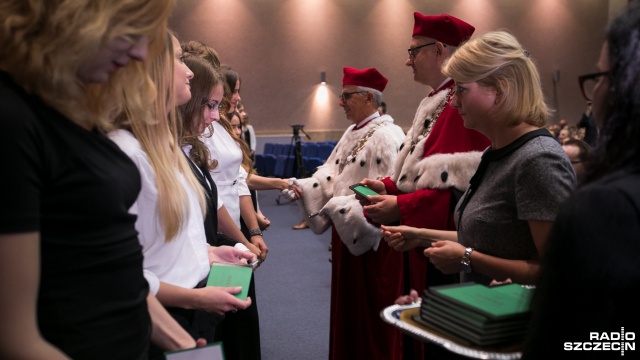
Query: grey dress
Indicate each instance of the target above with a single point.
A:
(526, 180)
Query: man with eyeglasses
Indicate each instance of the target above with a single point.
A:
(368, 148)
(578, 152)
(437, 129)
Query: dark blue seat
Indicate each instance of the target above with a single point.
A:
(310, 150)
(269, 164)
(324, 150)
(284, 166)
(260, 165)
(311, 164)
(269, 148)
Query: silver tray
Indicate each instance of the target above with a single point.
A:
(400, 317)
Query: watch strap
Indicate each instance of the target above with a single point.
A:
(255, 232)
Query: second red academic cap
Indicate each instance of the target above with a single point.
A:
(369, 77)
(444, 28)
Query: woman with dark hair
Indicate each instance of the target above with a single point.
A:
(590, 272)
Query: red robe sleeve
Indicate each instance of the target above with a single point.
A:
(430, 208)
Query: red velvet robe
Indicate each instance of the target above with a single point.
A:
(431, 208)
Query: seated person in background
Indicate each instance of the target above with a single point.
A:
(578, 152)
(587, 125)
(382, 109)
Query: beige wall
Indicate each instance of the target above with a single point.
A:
(280, 47)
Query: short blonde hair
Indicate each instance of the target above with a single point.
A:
(45, 42)
(497, 60)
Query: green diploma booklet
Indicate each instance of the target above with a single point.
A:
(476, 314)
(226, 275)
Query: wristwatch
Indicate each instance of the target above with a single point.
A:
(255, 232)
(465, 264)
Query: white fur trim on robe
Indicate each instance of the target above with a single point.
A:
(407, 161)
(316, 191)
(442, 171)
(358, 235)
(373, 161)
(438, 171)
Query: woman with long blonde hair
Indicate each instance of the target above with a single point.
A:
(72, 283)
(171, 206)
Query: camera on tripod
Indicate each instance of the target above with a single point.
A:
(297, 128)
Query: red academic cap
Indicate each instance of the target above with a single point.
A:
(369, 77)
(444, 28)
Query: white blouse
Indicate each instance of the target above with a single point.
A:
(187, 149)
(183, 261)
(229, 175)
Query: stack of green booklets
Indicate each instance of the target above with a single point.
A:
(475, 314)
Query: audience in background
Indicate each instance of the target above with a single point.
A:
(382, 109)
(587, 126)
(590, 271)
(578, 152)
(564, 134)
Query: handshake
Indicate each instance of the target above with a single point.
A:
(293, 191)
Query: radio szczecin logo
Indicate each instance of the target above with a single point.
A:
(605, 341)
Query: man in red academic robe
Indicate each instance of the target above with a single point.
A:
(437, 129)
(368, 148)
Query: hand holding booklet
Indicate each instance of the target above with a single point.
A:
(229, 275)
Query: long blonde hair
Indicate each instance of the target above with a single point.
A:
(157, 136)
(497, 60)
(44, 42)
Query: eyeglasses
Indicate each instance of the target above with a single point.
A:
(347, 95)
(212, 105)
(588, 83)
(412, 50)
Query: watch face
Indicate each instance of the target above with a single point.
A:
(465, 264)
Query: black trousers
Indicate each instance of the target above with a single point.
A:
(198, 324)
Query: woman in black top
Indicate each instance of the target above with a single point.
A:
(70, 260)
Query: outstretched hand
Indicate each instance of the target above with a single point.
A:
(230, 254)
(293, 191)
(400, 238)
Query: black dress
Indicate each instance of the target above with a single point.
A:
(590, 272)
(75, 187)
